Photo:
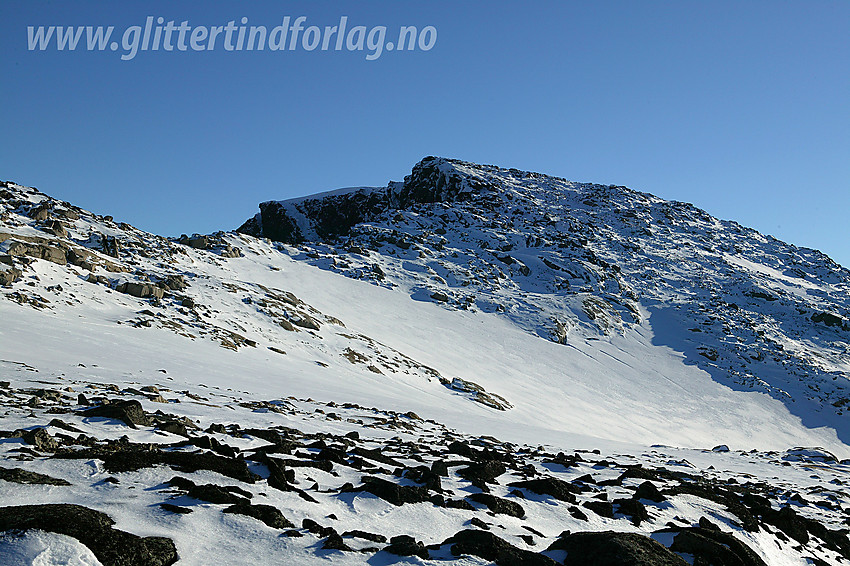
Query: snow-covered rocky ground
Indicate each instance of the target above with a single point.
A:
(401, 358)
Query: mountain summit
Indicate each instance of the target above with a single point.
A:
(574, 261)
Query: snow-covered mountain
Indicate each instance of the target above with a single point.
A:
(575, 262)
(333, 354)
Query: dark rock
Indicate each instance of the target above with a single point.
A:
(18, 475)
(317, 529)
(406, 545)
(335, 542)
(392, 492)
(462, 449)
(141, 290)
(174, 427)
(279, 477)
(551, 486)
(128, 457)
(9, 276)
(609, 548)
(365, 536)
(488, 546)
(129, 412)
(498, 505)
(175, 508)
(423, 475)
(710, 546)
(40, 439)
(633, 509)
(94, 530)
(647, 490)
(787, 520)
(211, 493)
(480, 474)
(269, 515)
(440, 468)
(601, 508)
(458, 504)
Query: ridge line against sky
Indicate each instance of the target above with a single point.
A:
(738, 108)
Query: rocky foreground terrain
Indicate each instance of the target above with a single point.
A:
(477, 365)
(150, 475)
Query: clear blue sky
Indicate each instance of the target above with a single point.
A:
(742, 108)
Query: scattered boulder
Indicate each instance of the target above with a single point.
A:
(365, 536)
(813, 455)
(17, 475)
(212, 493)
(9, 276)
(498, 505)
(94, 530)
(127, 457)
(175, 508)
(392, 492)
(488, 546)
(141, 290)
(269, 515)
(41, 439)
(551, 486)
(406, 545)
(610, 548)
(647, 490)
(710, 546)
(129, 412)
(481, 473)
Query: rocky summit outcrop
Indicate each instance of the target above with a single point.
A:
(333, 215)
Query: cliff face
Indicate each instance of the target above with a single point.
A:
(332, 215)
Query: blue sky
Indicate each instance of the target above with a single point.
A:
(738, 107)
